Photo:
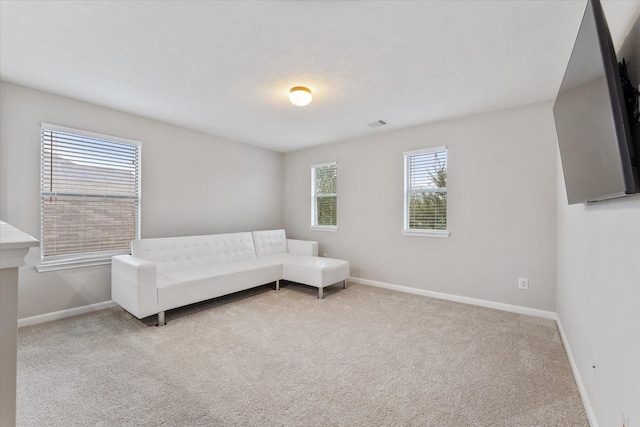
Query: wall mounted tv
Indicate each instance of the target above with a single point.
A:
(597, 151)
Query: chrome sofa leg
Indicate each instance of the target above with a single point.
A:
(344, 284)
(161, 321)
(277, 285)
(320, 293)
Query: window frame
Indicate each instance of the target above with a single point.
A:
(423, 232)
(99, 258)
(314, 198)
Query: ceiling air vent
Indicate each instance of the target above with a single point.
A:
(377, 123)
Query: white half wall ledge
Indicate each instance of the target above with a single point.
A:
(457, 298)
(56, 315)
(14, 246)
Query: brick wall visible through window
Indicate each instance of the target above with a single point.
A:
(90, 195)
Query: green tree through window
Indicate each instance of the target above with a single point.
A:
(426, 189)
(324, 193)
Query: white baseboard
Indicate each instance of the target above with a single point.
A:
(47, 317)
(457, 298)
(591, 415)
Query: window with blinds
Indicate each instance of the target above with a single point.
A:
(425, 191)
(90, 204)
(324, 203)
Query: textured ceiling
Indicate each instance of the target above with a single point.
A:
(225, 68)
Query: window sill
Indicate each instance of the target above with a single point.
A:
(333, 228)
(66, 265)
(426, 233)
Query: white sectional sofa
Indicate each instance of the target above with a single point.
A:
(166, 273)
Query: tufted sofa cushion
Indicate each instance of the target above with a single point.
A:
(193, 252)
(270, 242)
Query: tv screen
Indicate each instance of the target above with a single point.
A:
(593, 130)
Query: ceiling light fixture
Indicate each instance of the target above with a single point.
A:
(300, 96)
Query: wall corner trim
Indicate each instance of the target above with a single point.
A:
(47, 317)
(591, 415)
(457, 298)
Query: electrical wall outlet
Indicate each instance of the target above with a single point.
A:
(594, 366)
(523, 283)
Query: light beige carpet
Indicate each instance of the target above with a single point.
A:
(363, 356)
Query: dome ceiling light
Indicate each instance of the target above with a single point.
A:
(300, 96)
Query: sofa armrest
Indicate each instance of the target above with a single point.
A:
(133, 285)
(302, 247)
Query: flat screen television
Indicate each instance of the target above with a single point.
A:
(597, 151)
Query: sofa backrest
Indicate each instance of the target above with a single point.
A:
(269, 242)
(181, 253)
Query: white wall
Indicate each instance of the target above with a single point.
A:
(501, 213)
(192, 183)
(599, 289)
(599, 300)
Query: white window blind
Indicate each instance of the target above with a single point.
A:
(324, 195)
(425, 201)
(90, 204)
